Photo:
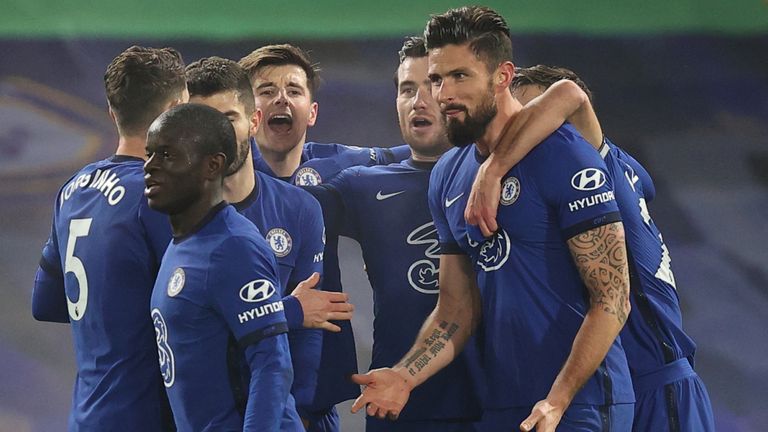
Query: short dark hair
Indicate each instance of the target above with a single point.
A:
(140, 82)
(413, 47)
(545, 76)
(483, 28)
(206, 129)
(212, 75)
(279, 55)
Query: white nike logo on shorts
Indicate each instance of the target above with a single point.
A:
(449, 202)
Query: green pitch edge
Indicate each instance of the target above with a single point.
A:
(238, 19)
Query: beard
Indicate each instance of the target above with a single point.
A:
(462, 134)
(240, 156)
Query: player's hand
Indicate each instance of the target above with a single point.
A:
(320, 307)
(483, 202)
(544, 417)
(385, 394)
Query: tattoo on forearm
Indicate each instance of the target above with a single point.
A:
(601, 258)
(432, 346)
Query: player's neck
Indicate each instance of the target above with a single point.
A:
(239, 185)
(418, 157)
(283, 164)
(507, 107)
(184, 222)
(135, 146)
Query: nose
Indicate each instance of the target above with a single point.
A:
(150, 164)
(282, 97)
(442, 92)
(423, 96)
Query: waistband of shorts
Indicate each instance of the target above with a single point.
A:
(667, 374)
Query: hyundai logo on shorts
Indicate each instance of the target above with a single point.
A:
(257, 291)
(588, 179)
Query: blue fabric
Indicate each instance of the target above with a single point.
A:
(577, 418)
(105, 238)
(533, 298)
(216, 308)
(673, 399)
(385, 209)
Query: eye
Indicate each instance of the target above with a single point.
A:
(459, 75)
(407, 91)
(267, 92)
(435, 79)
(295, 92)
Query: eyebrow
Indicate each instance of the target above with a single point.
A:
(232, 113)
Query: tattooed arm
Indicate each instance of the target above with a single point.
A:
(601, 258)
(441, 338)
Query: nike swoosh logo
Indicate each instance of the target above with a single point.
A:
(449, 202)
(381, 197)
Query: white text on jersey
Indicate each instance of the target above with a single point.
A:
(589, 201)
(260, 311)
(105, 181)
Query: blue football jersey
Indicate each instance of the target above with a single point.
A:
(533, 298)
(217, 295)
(649, 189)
(653, 335)
(97, 272)
(320, 163)
(385, 209)
(292, 223)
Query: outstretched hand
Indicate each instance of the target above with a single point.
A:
(385, 394)
(320, 307)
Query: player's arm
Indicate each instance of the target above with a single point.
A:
(49, 298)
(601, 258)
(318, 308)
(269, 361)
(262, 338)
(562, 101)
(440, 340)
(306, 343)
(386, 156)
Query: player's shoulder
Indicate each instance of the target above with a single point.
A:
(235, 229)
(564, 138)
(290, 195)
(451, 159)
(321, 150)
(563, 145)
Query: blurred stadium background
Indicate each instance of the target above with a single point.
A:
(681, 84)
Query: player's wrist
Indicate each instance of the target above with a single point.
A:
(408, 381)
(493, 168)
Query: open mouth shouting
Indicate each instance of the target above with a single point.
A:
(280, 123)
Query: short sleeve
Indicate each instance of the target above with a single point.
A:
(573, 179)
(243, 286)
(448, 244)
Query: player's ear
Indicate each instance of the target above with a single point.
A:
(312, 114)
(256, 121)
(502, 77)
(217, 166)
